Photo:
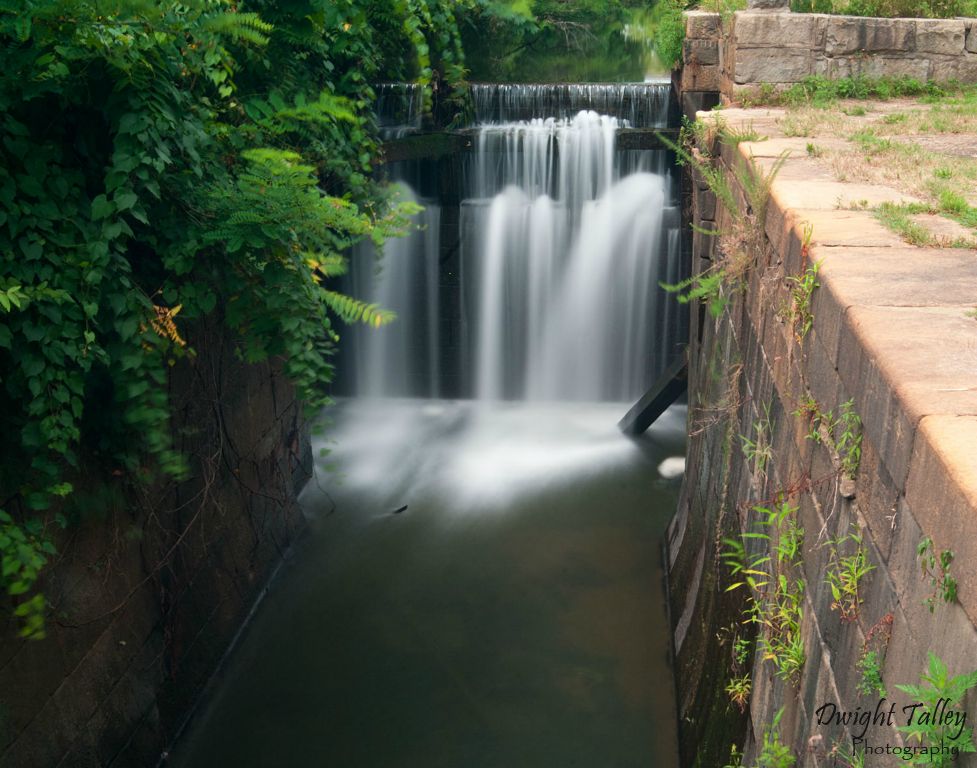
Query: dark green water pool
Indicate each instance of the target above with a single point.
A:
(512, 615)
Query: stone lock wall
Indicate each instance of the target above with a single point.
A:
(890, 333)
(754, 49)
(152, 585)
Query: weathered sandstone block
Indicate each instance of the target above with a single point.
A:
(772, 65)
(697, 77)
(702, 25)
(700, 52)
(940, 36)
(971, 43)
(848, 34)
(758, 30)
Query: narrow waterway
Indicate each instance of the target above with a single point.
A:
(483, 583)
(512, 615)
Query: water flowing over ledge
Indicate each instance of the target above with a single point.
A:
(562, 240)
(642, 105)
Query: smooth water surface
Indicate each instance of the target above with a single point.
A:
(512, 615)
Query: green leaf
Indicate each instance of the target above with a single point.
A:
(125, 200)
(101, 207)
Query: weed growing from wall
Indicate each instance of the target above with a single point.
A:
(776, 592)
(845, 573)
(849, 442)
(842, 435)
(742, 244)
(870, 668)
(797, 314)
(935, 686)
(759, 451)
(935, 564)
(773, 752)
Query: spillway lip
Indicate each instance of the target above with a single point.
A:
(652, 82)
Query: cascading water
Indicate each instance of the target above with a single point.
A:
(569, 247)
(481, 586)
(641, 104)
(399, 109)
(400, 359)
(563, 238)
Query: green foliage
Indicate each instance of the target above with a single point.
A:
(849, 442)
(706, 287)
(669, 31)
(798, 314)
(936, 685)
(898, 218)
(845, 573)
(555, 40)
(821, 92)
(870, 667)
(740, 247)
(843, 435)
(776, 593)
(930, 9)
(735, 758)
(738, 689)
(935, 565)
(161, 162)
(759, 451)
(774, 753)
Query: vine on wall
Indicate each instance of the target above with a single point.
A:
(162, 162)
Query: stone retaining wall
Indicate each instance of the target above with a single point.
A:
(152, 584)
(891, 333)
(753, 49)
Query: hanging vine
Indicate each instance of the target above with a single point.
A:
(162, 162)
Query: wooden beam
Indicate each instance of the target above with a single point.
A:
(672, 383)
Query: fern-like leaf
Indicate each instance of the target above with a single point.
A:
(352, 310)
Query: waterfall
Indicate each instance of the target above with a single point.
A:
(641, 105)
(536, 275)
(399, 109)
(402, 358)
(571, 251)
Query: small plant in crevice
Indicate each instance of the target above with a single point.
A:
(738, 689)
(872, 657)
(870, 669)
(735, 758)
(845, 573)
(740, 244)
(935, 565)
(775, 591)
(849, 442)
(740, 684)
(810, 409)
(797, 314)
(843, 435)
(759, 451)
(841, 759)
(773, 752)
(937, 688)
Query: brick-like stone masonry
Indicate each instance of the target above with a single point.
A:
(891, 332)
(752, 48)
